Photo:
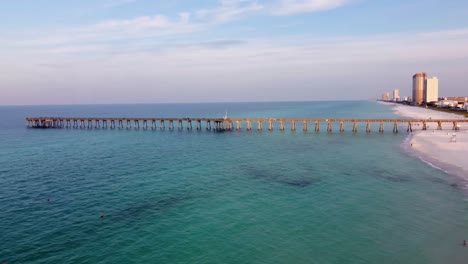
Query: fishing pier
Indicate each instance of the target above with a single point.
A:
(237, 124)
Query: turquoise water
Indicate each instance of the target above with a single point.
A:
(235, 197)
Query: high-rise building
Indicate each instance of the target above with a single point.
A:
(386, 97)
(418, 87)
(396, 95)
(431, 90)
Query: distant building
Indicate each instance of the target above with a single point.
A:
(386, 97)
(447, 103)
(418, 87)
(458, 99)
(431, 90)
(396, 95)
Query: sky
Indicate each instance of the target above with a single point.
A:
(154, 51)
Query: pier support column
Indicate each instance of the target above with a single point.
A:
(238, 125)
(181, 126)
(208, 125)
(219, 126)
(189, 125)
(162, 124)
(424, 125)
(293, 125)
(304, 126)
(112, 124)
(395, 127)
(381, 127)
(136, 124)
(145, 124)
(171, 124)
(329, 127)
(410, 128)
(317, 126)
(341, 126)
(199, 125)
(281, 125)
(270, 125)
(455, 126)
(439, 125)
(97, 124)
(89, 123)
(153, 125)
(368, 127)
(259, 125)
(249, 125)
(354, 127)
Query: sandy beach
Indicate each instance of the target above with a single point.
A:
(444, 149)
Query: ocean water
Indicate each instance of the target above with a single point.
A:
(234, 197)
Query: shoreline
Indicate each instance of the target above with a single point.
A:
(445, 150)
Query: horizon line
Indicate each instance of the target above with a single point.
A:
(207, 102)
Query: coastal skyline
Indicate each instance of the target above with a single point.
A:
(136, 51)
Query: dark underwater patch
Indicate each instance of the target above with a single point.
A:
(396, 178)
(386, 175)
(443, 182)
(296, 183)
(146, 208)
(438, 180)
(276, 177)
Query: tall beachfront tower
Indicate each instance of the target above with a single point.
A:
(396, 95)
(418, 87)
(431, 90)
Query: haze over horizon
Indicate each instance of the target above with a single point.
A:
(141, 51)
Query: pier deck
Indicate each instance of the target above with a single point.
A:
(229, 124)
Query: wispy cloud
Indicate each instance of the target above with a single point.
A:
(139, 23)
(291, 7)
(229, 10)
(160, 25)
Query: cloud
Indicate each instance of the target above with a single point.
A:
(291, 7)
(139, 23)
(160, 25)
(229, 10)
